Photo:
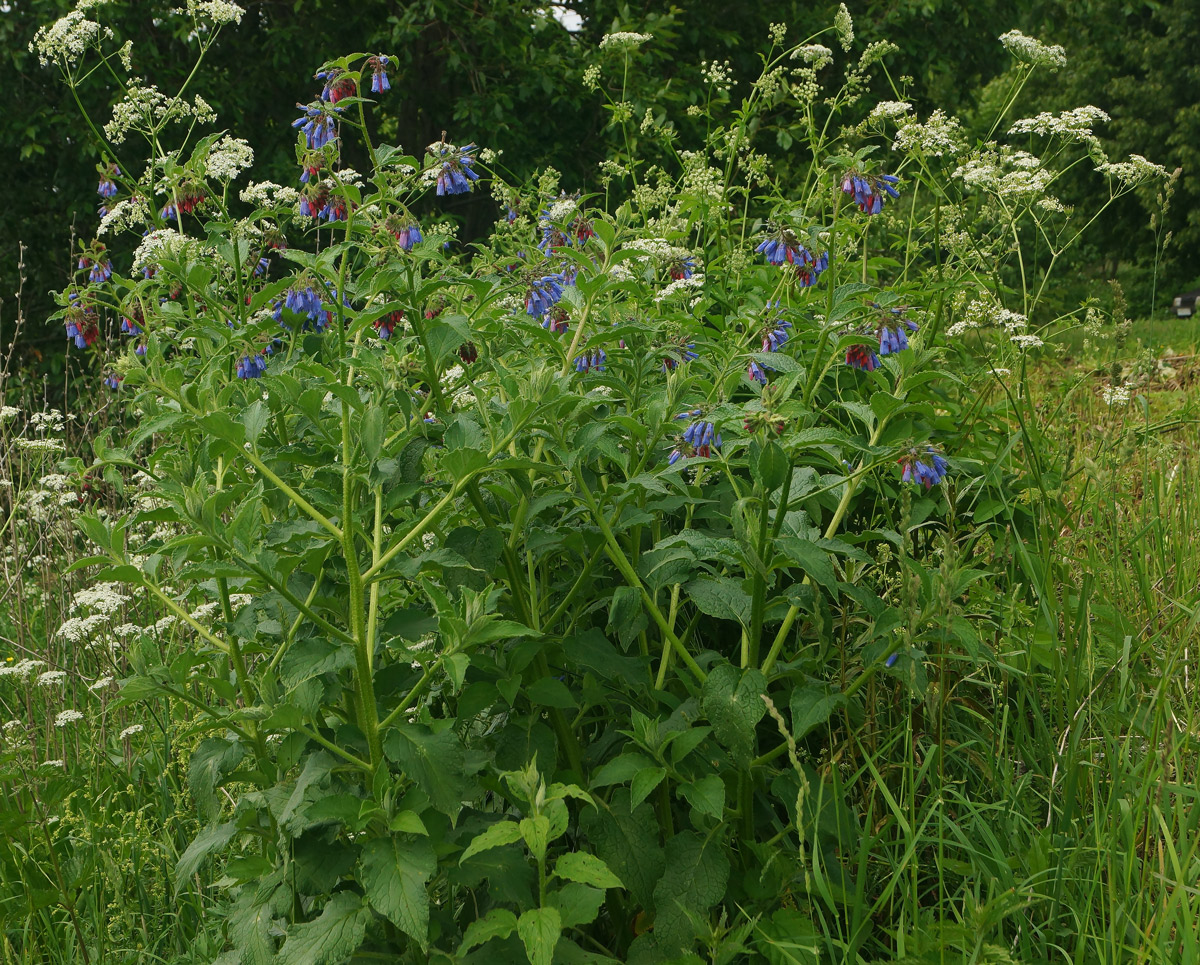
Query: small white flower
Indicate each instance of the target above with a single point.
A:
(228, 158)
(624, 40)
(57, 765)
(1116, 396)
(1026, 341)
(8, 413)
(887, 110)
(12, 726)
(64, 717)
(67, 38)
(131, 730)
(1133, 172)
(1030, 50)
(40, 445)
(99, 684)
(429, 540)
(844, 25)
(218, 11)
(52, 678)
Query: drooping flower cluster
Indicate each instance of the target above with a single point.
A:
(108, 187)
(337, 84)
(593, 361)
(785, 248)
(454, 166)
(385, 327)
(543, 292)
(405, 229)
(869, 191)
(304, 299)
(698, 439)
(82, 322)
(891, 328)
(681, 350)
(924, 465)
(318, 123)
(252, 365)
(379, 78)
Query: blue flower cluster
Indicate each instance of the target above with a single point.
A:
(252, 365)
(379, 78)
(318, 124)
(543, 293)
(337, 85)
(697, 439)
(593, 361)
(924, 465)
(869, 191)
(304, 301)
(457, 170)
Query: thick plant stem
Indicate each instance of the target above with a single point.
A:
(368, 712)
(621, 561)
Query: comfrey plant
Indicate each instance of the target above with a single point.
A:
(532, 539)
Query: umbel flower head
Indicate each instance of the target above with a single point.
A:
(870, 190)
(454, 166)
(924, 465)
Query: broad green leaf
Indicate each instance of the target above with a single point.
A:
(732, 702)
(770, 469)
(697, 871)
(536, 832)
(207, 842)
(577, 904)
(722, 597)
(434, 761)
(331, 937)
(811, 706)
(550, 692)
(811, 558)
(374, 427)
(645, 781)
(706, 795)
(627, 841)
(212, 759)
(621, 769)
(408, 821)
(497, 923)
(393, 872)
(540, 929)
(500, 833)
(586, 869)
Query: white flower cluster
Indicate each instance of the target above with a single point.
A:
(889, 110)
(1026, 341)
(52, 678)
(40, 445)
(51, 420)
(679, 286)
(165, 242)
(1073, 125)
(624, 40)
(941, 134)
(145, 108)
(1006, 173)
(65, 40)
(1030, 50)
(699, 177)
(268, 194)
(1116, 396)
(82, 629)
(22, 669)
(875, 52)
(218, 12)
(132, 212)
(591, 77)
(777, 32)
(8, 413)
(717, 73)
(986, 314)
(1137, 170)
(844, 25)
(103, 598)
(64, 717)
(815, 55)
(131, 730)
(228, 158)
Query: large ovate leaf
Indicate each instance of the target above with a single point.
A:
(732, 702)
(329, 938)
(697, 872)
(393, 871)
(434, 761)
(539, 930)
